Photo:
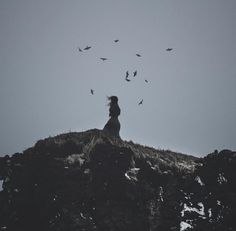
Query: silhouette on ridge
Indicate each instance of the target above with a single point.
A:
(112, 126)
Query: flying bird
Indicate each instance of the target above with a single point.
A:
(103, 59)
(127, 74)
(80, 50)
(92, 91)
(169, 49)
(141, 102)
(87, 48)
(138, 55)
(135, 73)
(116, 40)
(146, 81)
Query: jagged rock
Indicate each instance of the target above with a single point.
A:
(90, 181)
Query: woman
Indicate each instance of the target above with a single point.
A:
(112, 127)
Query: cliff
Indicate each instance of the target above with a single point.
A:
(90, 182)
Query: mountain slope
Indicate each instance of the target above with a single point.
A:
(89, 181)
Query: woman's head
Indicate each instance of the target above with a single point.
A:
(113, 99)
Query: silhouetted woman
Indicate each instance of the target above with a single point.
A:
(112, 126)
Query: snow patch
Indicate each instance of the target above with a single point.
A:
(75, 158)
(221, 179)
(210, 212)
(200, 211)
(161, 194)
(184, 225)
(198, 179)
(186, 165)
(1, 183)
(131, 174)
(55, 198)
(82, 216)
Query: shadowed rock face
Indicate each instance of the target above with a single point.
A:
(89, 181)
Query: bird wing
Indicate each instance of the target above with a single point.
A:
(87, 48)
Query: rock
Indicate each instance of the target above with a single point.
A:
(90, 181)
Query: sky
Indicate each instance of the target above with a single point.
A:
(189, 101)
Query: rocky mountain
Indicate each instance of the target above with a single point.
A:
(88, 181)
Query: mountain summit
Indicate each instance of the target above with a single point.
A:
(89, 181)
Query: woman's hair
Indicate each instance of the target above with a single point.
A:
(113, 100)
(114, 109)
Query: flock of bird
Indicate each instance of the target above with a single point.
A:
(127, 74)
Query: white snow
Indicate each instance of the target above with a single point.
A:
(210, 212)
(221, 179)
(186, 165)
(132, 174)
(218, 202)
(184, 225)
(198, 179)
(55, 198)
(82, 216)
(192, 209)
(161, 194)
(127, 176)
(1, 183)
(87, 171)
(75, 158)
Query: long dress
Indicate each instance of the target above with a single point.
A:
(112, 126)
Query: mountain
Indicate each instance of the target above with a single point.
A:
(88, 181)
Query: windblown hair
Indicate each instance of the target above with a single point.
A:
(114, 110)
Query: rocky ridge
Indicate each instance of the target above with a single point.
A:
(91, 182)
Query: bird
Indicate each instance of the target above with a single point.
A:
(135, 73)
(169, 49)
(128, 80)
(146, 81)
(103, 59)
(141, 102)
(92, 91)
(87, 48)
(138, 55)
(80, 50)
(116, 40)
(127, 74)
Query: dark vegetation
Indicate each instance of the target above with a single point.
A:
(88, 181)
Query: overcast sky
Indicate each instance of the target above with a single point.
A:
(189, 102)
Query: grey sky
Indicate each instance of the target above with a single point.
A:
(189, 103)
